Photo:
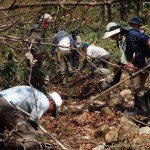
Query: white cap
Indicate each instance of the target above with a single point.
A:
(57, 99)
(46, 17)
(112, 28)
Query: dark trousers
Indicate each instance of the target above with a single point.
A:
(101, 62)
(117, 76)
(75, 59)
(12, 118)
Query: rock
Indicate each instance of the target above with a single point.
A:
(125, 93)
(102, 71)
(143, 137)
(116, 100)
(103, 85)
(106, 111)
(96, 106)
(112, 135)
(144, 130)
(127, 83)
(100, 147)
(127, 128)
(101, 131)
(109, 78)
(99, 103)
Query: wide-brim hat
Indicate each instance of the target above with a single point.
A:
(136, 21)
(112, 28)
(58, 102)
(110, 33)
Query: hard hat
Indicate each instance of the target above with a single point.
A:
(46, 17)
(57, 99)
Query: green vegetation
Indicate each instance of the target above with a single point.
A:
(90, 21)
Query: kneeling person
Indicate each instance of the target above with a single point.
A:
(32, 101)
(97, 55)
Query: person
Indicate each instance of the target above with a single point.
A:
(136, 23)
(134, 47)
(62, 44)
(37, 51)
(23, 129)
(75, 54)
(33, 101)
(97, 55)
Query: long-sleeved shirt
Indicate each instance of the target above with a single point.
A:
(136, 43)
(22, 96)
(58, 38)
(95, 51)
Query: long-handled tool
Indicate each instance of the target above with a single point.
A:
(133, 75)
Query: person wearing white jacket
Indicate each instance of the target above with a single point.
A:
(32, 101)
(97, 55)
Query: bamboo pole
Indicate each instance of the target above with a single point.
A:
(114, 86)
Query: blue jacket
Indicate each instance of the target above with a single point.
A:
(136, 43)
(58, 37)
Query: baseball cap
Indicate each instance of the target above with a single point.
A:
(136, 20)
(112, 28)
(58, 102)
(83, 45)
(75, 33)
(46, 17)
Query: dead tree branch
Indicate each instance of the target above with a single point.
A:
(17, 6)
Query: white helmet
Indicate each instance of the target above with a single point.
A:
(112, 28)
(46, 17)
(57, 99)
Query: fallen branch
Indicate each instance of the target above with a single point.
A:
(56, 3)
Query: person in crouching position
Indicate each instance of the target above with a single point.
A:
(98, 57)
(32, 101)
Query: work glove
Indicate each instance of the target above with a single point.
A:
(130, 67)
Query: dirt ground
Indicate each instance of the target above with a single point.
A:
(75, 126)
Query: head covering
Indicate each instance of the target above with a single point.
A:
(83, 45)
(112, 28)
(136, 20)
(75, 33)
(46, 17)
(61, 28)
(58, 101)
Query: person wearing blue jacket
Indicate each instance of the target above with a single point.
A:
(134, 47)
(62, 45)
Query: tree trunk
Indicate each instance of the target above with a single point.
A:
(109, 13)
(138, 13)
(122, 10)
(102, 13)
